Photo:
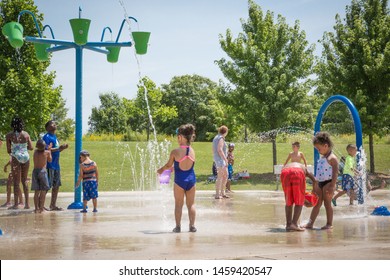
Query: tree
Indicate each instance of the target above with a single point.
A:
(65, 125)
(356, 63)
(160, 112)
(110, 117)
(269, 66)
(26, 89)
(197, 101)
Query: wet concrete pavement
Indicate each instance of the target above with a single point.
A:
(138, 225)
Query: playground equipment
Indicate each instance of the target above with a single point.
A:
(13, 31)
(358, 134)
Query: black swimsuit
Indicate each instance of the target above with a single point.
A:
(322, 184)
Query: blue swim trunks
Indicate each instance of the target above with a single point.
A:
(90, 189)
(230, 171)
(347, 182)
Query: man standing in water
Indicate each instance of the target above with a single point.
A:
(53, 167)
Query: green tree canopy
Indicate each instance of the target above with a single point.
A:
(196, 100)
(356, 63)
(65, 125)
(161, 112)
(269, 66)
(26, 89)
(110, 117)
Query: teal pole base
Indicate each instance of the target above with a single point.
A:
(76, 205)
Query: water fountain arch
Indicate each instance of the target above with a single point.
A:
(358, 133)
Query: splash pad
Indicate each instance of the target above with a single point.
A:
(132, 226)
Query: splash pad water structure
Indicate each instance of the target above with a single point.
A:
(13, 31)
(359, 140)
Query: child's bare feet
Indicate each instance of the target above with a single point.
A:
(27, 206)
(327, 226)
(309, 225)
(293, 227)
(7, 204)
(13, 207)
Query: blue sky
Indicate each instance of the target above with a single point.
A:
(184, 39)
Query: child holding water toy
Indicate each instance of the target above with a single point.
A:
(349, 171)
(183, 160)
(326, 175)
(90, 176)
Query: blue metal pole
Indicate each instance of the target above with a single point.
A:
(77, 204)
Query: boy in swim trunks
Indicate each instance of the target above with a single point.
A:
(293, 178)
(348, 181)
(40, 182)
(183, 160)
(296, 155)
(90, 176)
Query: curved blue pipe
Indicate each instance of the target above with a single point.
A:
(356, 121)
(35, 20)
(51, 30)
(120, 29)
(104, 30)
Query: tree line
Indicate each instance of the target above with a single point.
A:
(273, 80)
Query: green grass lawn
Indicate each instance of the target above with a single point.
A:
(120, 164)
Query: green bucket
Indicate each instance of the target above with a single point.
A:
(114, 54)
(141, 40)
(40, 51)
(80, 28)
(13, 31)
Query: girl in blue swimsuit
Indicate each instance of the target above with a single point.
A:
(183, 161)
